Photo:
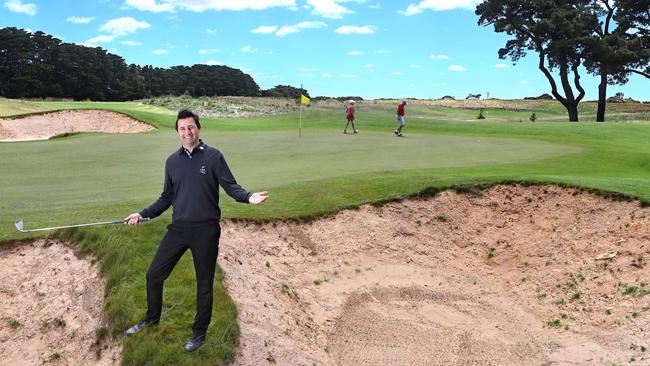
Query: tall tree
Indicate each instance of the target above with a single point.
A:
(553, 29)
(37, 65)
(285, 91)
(15, 54)
(634, 15)
(618, 46)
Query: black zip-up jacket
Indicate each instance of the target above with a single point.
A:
(192, 186)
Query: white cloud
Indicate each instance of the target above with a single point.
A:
(204, 51)
(524, 82)
(500, 66)
(456, 68)
(326, 75)
(101, 39)
(123, 26)
(17, 6)
(248, 49)
(353, 29)
(200, 6)
(374, 6)
(150, 5)
(383, 51)
(80, 20)
(265, 29)
(397, 73)
(355, 53)
(439, 57)
(328, 8)
(131, 43)
(288, 29)
(212, 32)
(160, 52)
(416, 66)
(368, 66)
(213, 62)
(305, 25)
(439, 5)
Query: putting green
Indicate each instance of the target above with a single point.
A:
(98, 172)
(282, 157)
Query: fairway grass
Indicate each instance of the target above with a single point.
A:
(101, 177)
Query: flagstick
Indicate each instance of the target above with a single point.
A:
(300, 125)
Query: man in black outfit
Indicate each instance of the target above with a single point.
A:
(192, 178)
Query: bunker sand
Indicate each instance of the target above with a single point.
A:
(51, 304)
(508, 276)
(44, 126)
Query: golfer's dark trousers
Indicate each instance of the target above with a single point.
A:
(203, 242)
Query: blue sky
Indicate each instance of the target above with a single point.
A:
(368, 48)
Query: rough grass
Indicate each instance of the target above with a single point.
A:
(231, 107)
(13, 107)
(124, 254)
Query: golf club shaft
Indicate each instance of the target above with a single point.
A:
(116, 222)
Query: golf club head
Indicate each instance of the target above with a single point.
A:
(20, 225)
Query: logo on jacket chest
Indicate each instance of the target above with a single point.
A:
(202, 170)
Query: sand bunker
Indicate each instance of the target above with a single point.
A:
(44, 126)
(510, 276)
(51, 308)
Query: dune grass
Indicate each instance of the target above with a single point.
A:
(100, 177)
(13, 107)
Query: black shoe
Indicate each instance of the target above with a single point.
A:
(195, 341)
(140, 326)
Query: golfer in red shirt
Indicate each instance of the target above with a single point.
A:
(400, 117)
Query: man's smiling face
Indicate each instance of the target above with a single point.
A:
(188, 132)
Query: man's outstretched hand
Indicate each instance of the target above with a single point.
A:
(258, 197)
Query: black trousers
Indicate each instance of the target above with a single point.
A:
(203, 242)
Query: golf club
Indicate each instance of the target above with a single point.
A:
(20, 225)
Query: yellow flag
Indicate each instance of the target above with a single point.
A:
(304, 99)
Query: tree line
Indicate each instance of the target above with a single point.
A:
(37, 65)
(609, 38)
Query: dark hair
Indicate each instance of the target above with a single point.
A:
(185, 113)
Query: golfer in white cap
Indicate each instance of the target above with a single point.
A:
(349, 116)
